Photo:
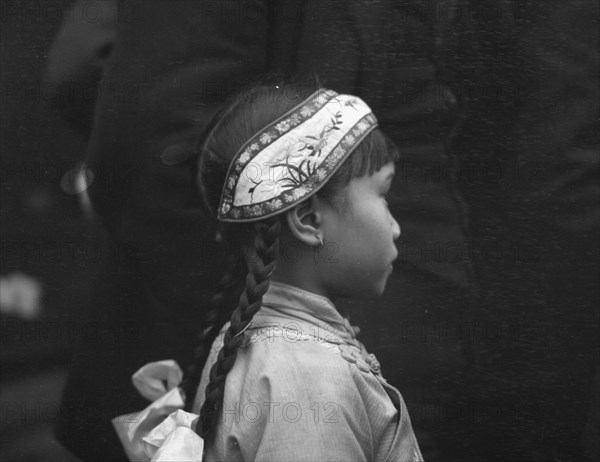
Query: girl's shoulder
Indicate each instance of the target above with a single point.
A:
(305, 384)
(286, 347)
(285, 357)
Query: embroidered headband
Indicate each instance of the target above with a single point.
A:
(292, 158)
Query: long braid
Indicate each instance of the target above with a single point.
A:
(221, 304)
(261, 259)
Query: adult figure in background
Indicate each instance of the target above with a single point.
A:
(170, 65)
(77, 60)
(530, 169)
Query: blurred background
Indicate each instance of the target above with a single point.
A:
(49, 253)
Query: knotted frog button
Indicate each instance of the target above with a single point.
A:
(347, 353)
(362, 365)
(374, 364)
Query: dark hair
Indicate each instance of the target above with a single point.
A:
(236, 122)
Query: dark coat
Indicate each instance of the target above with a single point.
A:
(532, 138)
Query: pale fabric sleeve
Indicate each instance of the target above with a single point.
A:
(293, 401)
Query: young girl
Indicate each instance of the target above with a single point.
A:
(299, 182)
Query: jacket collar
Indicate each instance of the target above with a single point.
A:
(286, 304)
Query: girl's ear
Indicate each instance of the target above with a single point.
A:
(305, 220)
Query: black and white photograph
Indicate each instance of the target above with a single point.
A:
(299, 230)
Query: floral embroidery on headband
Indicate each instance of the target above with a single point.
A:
(293, 157)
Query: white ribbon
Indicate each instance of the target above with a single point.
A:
(174, 440)
(162, 432)
(150, 379)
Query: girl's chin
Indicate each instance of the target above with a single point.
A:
(368, 291)
(374, 292)
(388, 273)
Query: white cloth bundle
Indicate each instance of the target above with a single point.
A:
(162, 432)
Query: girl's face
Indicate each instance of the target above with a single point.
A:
(359, 239)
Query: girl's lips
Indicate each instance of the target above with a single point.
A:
(390, 266)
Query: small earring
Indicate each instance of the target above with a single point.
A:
(320, 240)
